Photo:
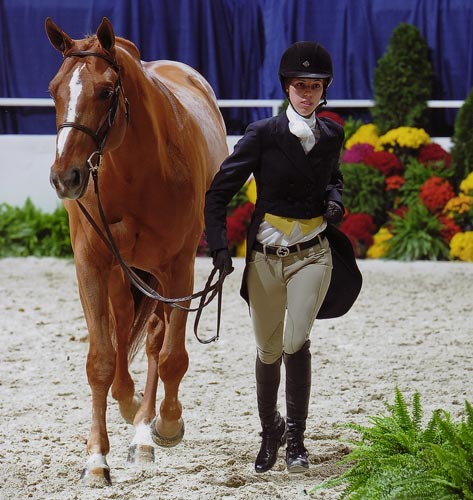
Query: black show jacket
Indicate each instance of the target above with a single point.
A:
(290, 184)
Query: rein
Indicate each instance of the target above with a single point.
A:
(211, 289)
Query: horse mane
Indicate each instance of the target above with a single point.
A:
(120, 42)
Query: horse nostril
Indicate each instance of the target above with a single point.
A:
(54, 180)
(73, 178)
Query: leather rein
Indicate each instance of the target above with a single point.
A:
(100, 136)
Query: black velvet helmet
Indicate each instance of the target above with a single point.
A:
(306, 60)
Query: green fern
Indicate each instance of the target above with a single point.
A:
(396, 459)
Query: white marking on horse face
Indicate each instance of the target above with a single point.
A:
(142, 435)
(75, 89)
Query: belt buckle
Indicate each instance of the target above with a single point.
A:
(282, 252)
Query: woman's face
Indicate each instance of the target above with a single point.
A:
(305, 94)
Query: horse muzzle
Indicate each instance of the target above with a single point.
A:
(71, 184)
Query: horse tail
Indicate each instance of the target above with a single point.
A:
(144, 306)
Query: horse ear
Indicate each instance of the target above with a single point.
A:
(105, 34)
(59, 40)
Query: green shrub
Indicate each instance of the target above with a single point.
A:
(403, 81)
(351, 126)
(29, 231)
(363, 190)
(417, 236)
(397, 459)
(462, 139)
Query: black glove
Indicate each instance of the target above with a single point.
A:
(334, 212)
(222, 260)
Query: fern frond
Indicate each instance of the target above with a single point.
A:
(417, 412)
(469, 414)
(431, 432)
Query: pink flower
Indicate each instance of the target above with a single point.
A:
(357, 153)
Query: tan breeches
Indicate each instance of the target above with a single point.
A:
(285, 295)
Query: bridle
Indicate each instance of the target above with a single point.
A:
(100, 137)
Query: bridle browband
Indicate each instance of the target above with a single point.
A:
(100, 137)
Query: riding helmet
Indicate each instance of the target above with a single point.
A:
(306, 60)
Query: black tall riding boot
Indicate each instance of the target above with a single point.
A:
(298, 382)
(273, 426)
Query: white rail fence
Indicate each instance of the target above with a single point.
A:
(274, 104)
(25, 160)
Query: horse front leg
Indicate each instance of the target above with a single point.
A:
(100, 371)
(123, 307)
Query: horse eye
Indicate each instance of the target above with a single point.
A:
(105, 94)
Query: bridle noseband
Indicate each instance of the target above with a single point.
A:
(101, 134)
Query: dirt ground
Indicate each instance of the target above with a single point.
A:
(411, 327)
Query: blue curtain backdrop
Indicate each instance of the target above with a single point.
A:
(235, 44)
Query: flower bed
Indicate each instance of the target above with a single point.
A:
(423, 217)
(399, 197)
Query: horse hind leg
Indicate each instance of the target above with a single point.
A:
(141, 450)
(168, 427)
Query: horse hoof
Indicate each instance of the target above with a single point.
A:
(167, 441)
(96, 478)
(140, 454)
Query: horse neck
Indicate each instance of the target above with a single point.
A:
(155, 114)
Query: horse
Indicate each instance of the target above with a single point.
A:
(154, 136)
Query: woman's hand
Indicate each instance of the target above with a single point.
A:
(222, 260)
(334, 212)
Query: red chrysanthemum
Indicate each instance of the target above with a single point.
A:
(400, 211)
(359, 228)
(435, 192)
(384, 161)
(432, 152)
(449, 228)
(237, 223)
(333, 116)
(393, 182)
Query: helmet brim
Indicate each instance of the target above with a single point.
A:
(301, 74)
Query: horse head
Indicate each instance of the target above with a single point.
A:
(91, 109)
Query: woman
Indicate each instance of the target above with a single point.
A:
(291, 243)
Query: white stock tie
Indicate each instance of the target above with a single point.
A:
(299, 126)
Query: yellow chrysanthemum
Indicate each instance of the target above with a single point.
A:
(366, 134)
(241, 249)
(402, 137)
(380, 245)
(251, 191)
(458, 205)
(466, 185)
(461, 246)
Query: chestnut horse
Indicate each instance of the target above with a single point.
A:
(162, 138)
